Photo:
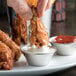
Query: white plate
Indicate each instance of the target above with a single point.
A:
(57, 63)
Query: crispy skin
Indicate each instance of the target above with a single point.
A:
(20, 30)
(16, 52)
(16, 32)
(23, 28)
(6, 59)
(39, 35)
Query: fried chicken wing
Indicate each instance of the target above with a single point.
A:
(23, 28)
(16, 52)
(39, 35)
(6, 59)
(20, 30)
(16, 32)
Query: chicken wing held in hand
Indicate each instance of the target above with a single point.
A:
(19, 30)
(39, 35)
(16, 32)
(6, 59)
(23, 28)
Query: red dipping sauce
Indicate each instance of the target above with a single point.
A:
(65, 39)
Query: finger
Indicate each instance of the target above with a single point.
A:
(22, 7)
(49, 4)
(41, 7)
(10, 3)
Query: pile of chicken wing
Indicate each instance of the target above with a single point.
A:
(9, 52)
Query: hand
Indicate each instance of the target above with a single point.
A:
(43, 5)
(21, 6)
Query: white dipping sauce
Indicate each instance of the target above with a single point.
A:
(43, 49)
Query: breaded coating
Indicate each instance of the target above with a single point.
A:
(19, 32)
(16, 52)
(16, 32)
(6, 59)
(39, 35)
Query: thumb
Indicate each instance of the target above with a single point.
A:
(21, 6)
(41, 7)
